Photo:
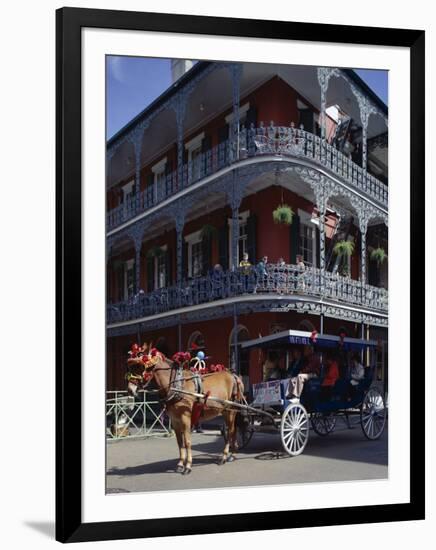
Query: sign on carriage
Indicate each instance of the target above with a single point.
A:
(266, 393)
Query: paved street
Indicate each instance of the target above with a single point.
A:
(148, 464)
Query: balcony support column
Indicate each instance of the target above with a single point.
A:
(136, 140)
(180, 222)
(137, 235)
(363, 226)
(324, 74)
(236, 73)
(180, 110)
(235, 192)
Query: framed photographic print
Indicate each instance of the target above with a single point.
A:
(240, 226)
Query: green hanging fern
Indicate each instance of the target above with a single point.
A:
(344, 249)
(283, 214)
(208, 231)
(378, 255)
(154, 252)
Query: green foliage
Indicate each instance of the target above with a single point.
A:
(208, 231)
(344, 249)
(378, 255)
(283, 214)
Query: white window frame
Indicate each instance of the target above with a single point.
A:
(128, 265)
(243, 110)
(164, 250)
(191, 239)
(192, 146)
(243, 218)
(158, 169)
(308, 220)
(127, 189)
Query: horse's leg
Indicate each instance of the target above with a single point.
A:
(186, 422)
(182, 450)
(230, 447)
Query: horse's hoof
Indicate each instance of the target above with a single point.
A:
(231, 458)
(180, 469)
(221, 462)
(187, 471)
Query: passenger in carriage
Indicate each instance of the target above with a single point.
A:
(310, 369)
(357, 373)
(296, 363)
(331, 376)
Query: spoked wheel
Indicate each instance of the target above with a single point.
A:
(373, 414)
(294, 429)
(323, 424)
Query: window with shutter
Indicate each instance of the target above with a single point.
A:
(251, 247)
(294, 238)
(223, 248)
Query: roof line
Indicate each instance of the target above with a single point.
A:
(201, 66)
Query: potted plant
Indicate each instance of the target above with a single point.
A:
(344, 250)
(378, 255)
(208, 231)
(283, 214)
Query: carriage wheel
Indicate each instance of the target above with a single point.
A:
(294, 429)
(244, 435)
(323, 424)
(373, 414)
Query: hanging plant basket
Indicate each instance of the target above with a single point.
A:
(344, 249)
(378, 255)
(154, 252)
(283, 214)
(208, 231)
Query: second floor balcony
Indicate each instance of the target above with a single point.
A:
(253, 143)
(286, 282)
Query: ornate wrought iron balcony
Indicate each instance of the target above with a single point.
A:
(286, 280)
(252, 142)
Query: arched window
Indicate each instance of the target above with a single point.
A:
(306, 325)
(196, 341)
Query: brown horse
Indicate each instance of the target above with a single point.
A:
(169, 377)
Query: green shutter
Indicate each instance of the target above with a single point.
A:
(223, 246)
(206, 252)
(168, 268)
(252, 239)
(294, 240)
(150, 274)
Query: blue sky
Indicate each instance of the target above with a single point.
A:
(134, 82)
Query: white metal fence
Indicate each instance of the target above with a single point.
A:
(128, 417)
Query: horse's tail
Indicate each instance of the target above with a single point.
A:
(238, 388)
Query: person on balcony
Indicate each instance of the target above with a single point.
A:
(300, 272)
(261, 273)
(280, 276)
(216, 274)
(310, 369)
(245, 269)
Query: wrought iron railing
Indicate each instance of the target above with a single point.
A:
(284, 280)
(253, 141)
(127, 417)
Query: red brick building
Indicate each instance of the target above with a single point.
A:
(192, 183)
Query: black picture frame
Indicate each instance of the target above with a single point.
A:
(69, 22)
